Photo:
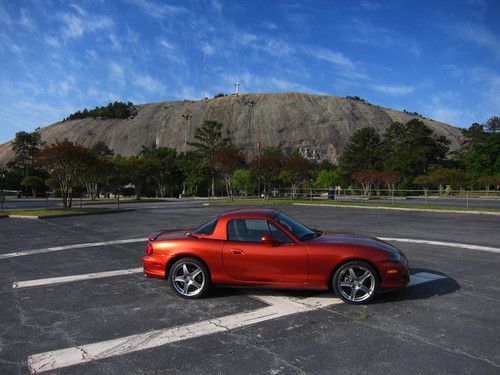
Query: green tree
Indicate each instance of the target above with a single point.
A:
(65, 162)
(32, 182)
(483, 158)
(267, 166)
(26, 146)
(327, 179)
(207, 139)
(362, 152)
(226, 161)
(102, 149)
(296, 169)
(411, 148)
(194, 170)
(165, 171)
(242, 181)
(493, 124)
(138, 171)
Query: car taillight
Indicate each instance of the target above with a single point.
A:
(149, 248)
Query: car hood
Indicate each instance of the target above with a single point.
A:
(353, 239)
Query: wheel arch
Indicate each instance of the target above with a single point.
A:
(184, 255)
(330, 278)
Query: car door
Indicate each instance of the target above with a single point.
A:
(247, 259)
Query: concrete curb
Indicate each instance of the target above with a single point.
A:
(400, 209)
(32, 217)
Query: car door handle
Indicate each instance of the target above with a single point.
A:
(237, 251)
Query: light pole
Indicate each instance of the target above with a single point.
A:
(2, 175)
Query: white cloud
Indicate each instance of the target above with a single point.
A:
(208, 49)
(394, 90)
(158, 10)
(26, 21)
(78, 9)
(364, 32)
(115, 42)
(274, 47)
(334, 57)
(217, 5)
(269, 25)
(149, 84)
(478, 35)
(52, 41)
(117, 71)
(75, 26)
(166, 44)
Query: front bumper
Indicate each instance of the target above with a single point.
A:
(395, 275)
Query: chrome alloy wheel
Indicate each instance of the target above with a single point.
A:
(356, 283)
(188, 279)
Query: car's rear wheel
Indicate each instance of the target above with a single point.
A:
(189, 278)
(356, 282)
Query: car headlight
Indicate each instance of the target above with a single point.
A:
(395, 257)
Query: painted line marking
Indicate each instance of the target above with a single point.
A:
(72, 278)
(134, 240)
(70, 247)
(489, 249)
(424, 277)
(278, 307)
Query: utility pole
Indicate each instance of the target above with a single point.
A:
(186, 117)
(2, 175)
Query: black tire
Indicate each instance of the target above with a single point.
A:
(356, 282)
(195, 283)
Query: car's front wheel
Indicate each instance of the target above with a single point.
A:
(356, 282)
(189, 278)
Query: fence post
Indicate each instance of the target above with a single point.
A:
(426, 198)
(467, 199)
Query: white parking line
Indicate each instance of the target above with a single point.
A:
(441, 243)
(133, 240)
(69, 247)
(67, 279)
(279, 307)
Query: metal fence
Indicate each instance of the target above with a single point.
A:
(446, 197)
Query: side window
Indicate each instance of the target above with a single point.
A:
(278, 234)
(246, 230)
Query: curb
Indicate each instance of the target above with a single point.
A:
(32, 217)
(400, 209)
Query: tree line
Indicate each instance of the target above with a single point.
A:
(404, 156)
(112, 110)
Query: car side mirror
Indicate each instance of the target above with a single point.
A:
(269, 240)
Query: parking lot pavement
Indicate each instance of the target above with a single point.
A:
(125, 323)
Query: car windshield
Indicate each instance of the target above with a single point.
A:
(300, 231)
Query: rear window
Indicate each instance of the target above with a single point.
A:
(207, 228)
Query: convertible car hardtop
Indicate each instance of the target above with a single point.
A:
(264, 247)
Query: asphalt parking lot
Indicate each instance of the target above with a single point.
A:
(447, 322)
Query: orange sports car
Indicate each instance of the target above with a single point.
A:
(262, 247)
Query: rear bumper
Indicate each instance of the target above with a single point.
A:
(154, 266)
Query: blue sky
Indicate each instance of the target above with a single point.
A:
(438, 58)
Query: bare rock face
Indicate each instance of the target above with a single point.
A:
(319, 126)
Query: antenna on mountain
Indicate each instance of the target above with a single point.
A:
(204, 77)
(236, 88)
